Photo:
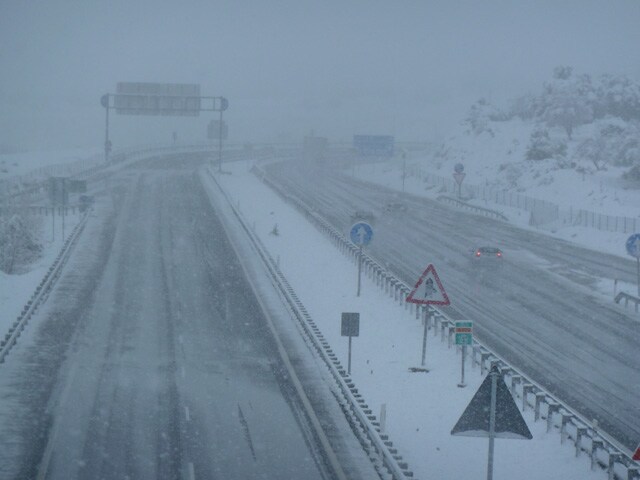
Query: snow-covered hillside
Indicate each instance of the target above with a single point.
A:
(576, 143)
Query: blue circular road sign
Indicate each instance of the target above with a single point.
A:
(458, 168)
(361, 233)
(633, 245)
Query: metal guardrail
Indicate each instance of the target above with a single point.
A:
(487, 212)
(604, 450)
(42, 291)
(364, 423)
(627, 298)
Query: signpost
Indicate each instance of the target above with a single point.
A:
(464, 337)
(458, 175)
(492, 413)
(633, 249)
(350, 327)
(361, 234)
(428, 290)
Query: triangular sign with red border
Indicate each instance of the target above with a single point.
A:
(636, 455)
(429, 289)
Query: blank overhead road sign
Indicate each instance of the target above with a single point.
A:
(136, 98)
(428, 289)
(361, 233)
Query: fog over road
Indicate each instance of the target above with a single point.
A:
(538, 311)
(152, 358)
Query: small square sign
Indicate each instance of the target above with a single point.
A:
(350, 324)
(464, 333)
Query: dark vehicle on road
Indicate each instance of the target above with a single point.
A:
(487, 257)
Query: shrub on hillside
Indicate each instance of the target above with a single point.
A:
(542, 146)
(616, 142)
(19, 244)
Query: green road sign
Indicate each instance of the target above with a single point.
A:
(464, 333)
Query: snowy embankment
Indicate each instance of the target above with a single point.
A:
(17, 288)
(421, 408)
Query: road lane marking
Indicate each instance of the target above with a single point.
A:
(180, 338)
(183, 373)
(48, 451)
(187, 414)
(192, 473)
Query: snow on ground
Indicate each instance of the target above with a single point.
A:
(421, 407)
(16, 289)
(499, 159)
(389, 174)
(30, 163)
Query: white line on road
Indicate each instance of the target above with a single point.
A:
(182, 372)
(192, 473)
(180, 338)
(187, 414)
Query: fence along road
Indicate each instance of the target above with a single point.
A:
(537, 312)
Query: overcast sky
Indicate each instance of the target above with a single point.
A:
(402, 67)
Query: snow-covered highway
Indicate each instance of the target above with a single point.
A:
(153, 359)
(539, 312)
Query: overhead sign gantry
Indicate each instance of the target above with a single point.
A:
(160, 99)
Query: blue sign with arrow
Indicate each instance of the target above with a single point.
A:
(361, 233)
(633, 245)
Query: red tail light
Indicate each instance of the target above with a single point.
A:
(499, 254)
(478, 253)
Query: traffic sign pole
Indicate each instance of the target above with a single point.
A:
(349, 364)
(359, 269)
(492, 422)
(424, 334)
(350, 327)
(220, 144)
(360, 234)
(464, 354)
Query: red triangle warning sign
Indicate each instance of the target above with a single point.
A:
(636, 455)
(429, 289)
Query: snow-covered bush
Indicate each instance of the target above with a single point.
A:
(542, 146)
(618, 96)
(633, 175)
(19, 244)
(617, 142)
(481, 114)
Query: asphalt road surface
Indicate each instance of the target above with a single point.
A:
(152, 358)
(538, 310)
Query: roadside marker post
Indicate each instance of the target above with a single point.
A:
(428, 290)
(350, 327)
